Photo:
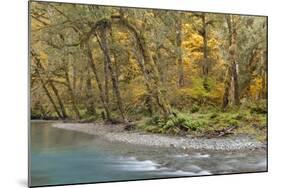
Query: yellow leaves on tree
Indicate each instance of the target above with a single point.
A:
(43, 56)
(256, 88)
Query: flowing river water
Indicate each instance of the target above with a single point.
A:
(60, 156)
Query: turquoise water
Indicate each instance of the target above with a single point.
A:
(67, 157)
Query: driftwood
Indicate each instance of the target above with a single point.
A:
(130, 126)
(222, 132)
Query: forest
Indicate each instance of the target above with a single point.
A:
(161, 71)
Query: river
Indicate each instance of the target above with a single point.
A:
(67, 157)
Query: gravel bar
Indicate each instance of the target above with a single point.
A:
(117, 133)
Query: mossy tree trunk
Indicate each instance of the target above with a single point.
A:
(149, 67)
(104, 35)
(90, 105)
(92, 64)
(232, 72)
(179, 52)
(72, 95)
(39, 68)
(47, 92)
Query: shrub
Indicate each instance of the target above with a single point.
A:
(183, 122)
(194, 108)
(259, 108)
(175, 124)
(213, 115)
(233, 122)
(156, 120)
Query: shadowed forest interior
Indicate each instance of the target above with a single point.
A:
(162, 71)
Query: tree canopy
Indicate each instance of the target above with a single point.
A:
(115, 63)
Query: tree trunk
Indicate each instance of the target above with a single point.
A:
(62, 108)
(264, 74)
(159, 63)
(43, 111)
(232, 70)
(205, 63)
(64, 114)
(115, 83)
(227, 87)
(149, 68)
(106, 79)
(72, 95)
(37, 70)
(235, 83)
(179, 52)
(74, 79)
(149, 98)
(233, 57)
(115, 57)
(205, 46)
(48, 93)
(92, 64)
(90, 105)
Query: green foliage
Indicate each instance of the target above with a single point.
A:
(175, 124)
(194, 108)
(147, 79)
(156, 120)
(259, 107)
(184, 122)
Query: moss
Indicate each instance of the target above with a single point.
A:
(202, 123)
(194, 108)
(175, 124)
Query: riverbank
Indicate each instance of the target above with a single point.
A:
(117, 133)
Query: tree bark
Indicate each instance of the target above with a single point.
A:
(149, 98)
(236, 83)
(72, 95)
(233, 56)
(90, 105)
(106, 80)
(92, 64)
(205, 63)
(48, 93)
(227, 86)
(149, 68)
(179, 52)
(38, 68)
(63, 111)
(232, 69)
(62, 108)
(115, 84)
(264, 75)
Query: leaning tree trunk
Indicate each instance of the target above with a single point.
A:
(53, 87)
(48, 93)
(92, 64)
(72, 95)
(149, 98)
(63, 111)
(150, 69)
(115, 84)
(37, 70)
(151, 72)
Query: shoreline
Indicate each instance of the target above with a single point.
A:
(116, 133)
